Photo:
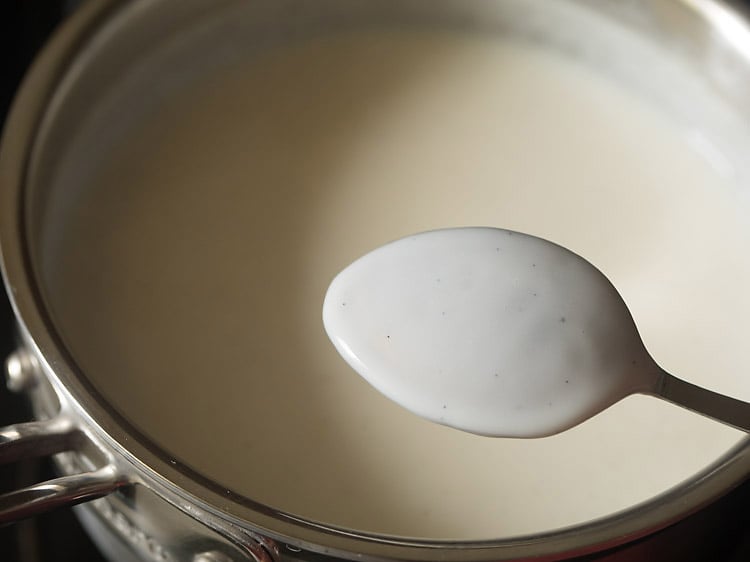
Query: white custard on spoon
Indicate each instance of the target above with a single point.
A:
(497, 333)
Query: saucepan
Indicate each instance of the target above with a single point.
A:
(143, 426)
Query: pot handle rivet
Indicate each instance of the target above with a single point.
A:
(21, 371)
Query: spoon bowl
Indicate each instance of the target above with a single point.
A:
(497, 333)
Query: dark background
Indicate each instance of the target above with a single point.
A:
(24, 27)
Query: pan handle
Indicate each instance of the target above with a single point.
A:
(43, 438)
(58, 492)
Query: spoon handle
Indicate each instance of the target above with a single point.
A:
(706, 402)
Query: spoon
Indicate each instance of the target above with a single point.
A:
(498, 333)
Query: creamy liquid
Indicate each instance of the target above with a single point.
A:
(487, 330)
(188, 277)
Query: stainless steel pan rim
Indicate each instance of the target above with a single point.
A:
(132, 458)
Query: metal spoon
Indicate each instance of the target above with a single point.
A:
(498, 333)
